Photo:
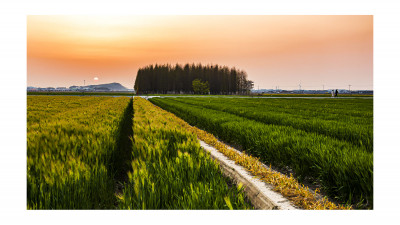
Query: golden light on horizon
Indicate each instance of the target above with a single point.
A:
(272, 49)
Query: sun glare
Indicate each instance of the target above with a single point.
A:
(97, 20)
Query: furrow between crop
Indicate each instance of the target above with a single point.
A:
(344, 171)
(122, 156)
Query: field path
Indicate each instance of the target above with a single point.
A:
(260, 193)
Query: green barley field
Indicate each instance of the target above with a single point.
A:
(93, 152)
(118, 153)
(328, 141)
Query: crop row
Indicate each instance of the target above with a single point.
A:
(345, 171)
(308, 116)
(170, 170)
(289, 187)
(71, 143)
(329, 109)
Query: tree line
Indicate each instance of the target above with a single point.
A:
(178, 79)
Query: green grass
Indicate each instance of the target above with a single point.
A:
(70, 146)
(171, 171)
(343, 167)
(350, 120)
(82, 150)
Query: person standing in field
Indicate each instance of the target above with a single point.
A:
(333, 93)
(336, 93)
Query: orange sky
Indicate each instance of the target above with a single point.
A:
(274, 50)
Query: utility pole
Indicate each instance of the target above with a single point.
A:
(323, 87)
(349, 88)
(300, 87)
(84, 82)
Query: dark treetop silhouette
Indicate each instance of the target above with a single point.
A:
(167, 79)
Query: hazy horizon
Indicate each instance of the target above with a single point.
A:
(314, 51)
(255, 88)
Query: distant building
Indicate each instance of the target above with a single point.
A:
(29, 88)
(87, 89)
(100, 89)
(61, 89)
(74, 88)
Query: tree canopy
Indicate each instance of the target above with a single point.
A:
(165, 79)
(200, 87)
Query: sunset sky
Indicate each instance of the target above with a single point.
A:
(283, 51)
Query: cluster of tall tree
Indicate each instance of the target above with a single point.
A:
(166, 79)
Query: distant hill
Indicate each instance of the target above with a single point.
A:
(108, 87)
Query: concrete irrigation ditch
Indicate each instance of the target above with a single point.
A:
(260, 193)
